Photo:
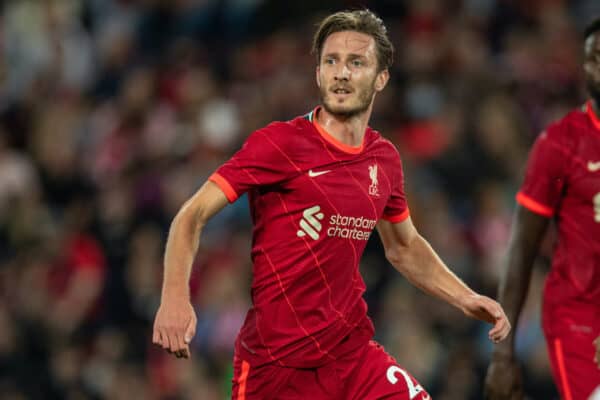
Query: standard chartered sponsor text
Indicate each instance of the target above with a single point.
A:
(357, 228)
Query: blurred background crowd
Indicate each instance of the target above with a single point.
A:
(113, 112)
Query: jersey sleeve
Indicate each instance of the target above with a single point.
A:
(396, 209)
(262, 161)
(545, 175)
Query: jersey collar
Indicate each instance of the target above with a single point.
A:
(312, 117)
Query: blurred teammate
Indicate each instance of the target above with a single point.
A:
(317, 185)
(562, 182)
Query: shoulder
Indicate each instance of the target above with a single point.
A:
(381, 145)
(566, 130)
(283, 132)
(279, 140)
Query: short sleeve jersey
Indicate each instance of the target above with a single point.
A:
(562, 181)
(314, 202)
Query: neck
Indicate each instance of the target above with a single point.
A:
(348, 130)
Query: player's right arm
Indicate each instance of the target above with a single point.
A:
(503, 379)
(414, 258)
(175, 322)
(265, 159)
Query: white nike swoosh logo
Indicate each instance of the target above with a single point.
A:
(313, 174)
(593, 166)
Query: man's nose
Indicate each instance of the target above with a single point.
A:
(342, 73)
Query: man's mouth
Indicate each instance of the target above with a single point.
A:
(341, 90)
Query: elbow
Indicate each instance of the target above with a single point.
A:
(404, 256)
(399, 257)
(400, 249)
(393, 255)
(191, 216)
(402, 262)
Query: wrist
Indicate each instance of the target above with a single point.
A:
(175, 292)
(464, 299)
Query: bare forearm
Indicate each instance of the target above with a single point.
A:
(528, 231)
(181, 248)
(513, 290)
(419, 263)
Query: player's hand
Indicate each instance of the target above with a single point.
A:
(485, 309)
(597, 355)
(503, 380)
(175, 326)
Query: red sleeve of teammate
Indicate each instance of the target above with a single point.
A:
(396, 209)
(545, 176)
(261, 161)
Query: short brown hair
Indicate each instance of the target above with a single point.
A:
(363, 21)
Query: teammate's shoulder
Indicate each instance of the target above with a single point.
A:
(576, 118)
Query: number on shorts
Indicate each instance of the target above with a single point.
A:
(413, 389)
(597, 207)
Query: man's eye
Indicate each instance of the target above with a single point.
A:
(329, 61)
(357, 63)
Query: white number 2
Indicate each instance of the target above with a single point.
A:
(413, 389)
(597, 207)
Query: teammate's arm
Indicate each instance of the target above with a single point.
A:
(412, 256)
(175, 322)
(597, 354)
(503, 379)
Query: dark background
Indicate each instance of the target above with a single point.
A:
(113, 112)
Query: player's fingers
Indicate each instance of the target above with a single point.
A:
(166, 340)
(491, 316)
(496, 311)
(491, 310)
(184, 352)
(508, 328)
(500, 329)
(504, 330)
(173, 340)
(156, 336)
(181, 345)
(190, 330)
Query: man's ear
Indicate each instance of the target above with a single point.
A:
(317, 75)
(382, 79)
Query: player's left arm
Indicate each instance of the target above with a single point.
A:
(414, 258)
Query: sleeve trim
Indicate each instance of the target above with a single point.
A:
(398, 217)
(533, 205)
(224, 185)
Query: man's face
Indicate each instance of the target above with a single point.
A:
(591, 65)
(347, 74)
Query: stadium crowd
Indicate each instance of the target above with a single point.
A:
(113, 112)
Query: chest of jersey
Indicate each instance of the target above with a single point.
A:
(582, 192)
(341, 199)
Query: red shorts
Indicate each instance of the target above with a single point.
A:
(368, 373)
(573, 368)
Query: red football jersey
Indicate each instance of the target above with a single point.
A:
(563, 181)
(314, 202)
